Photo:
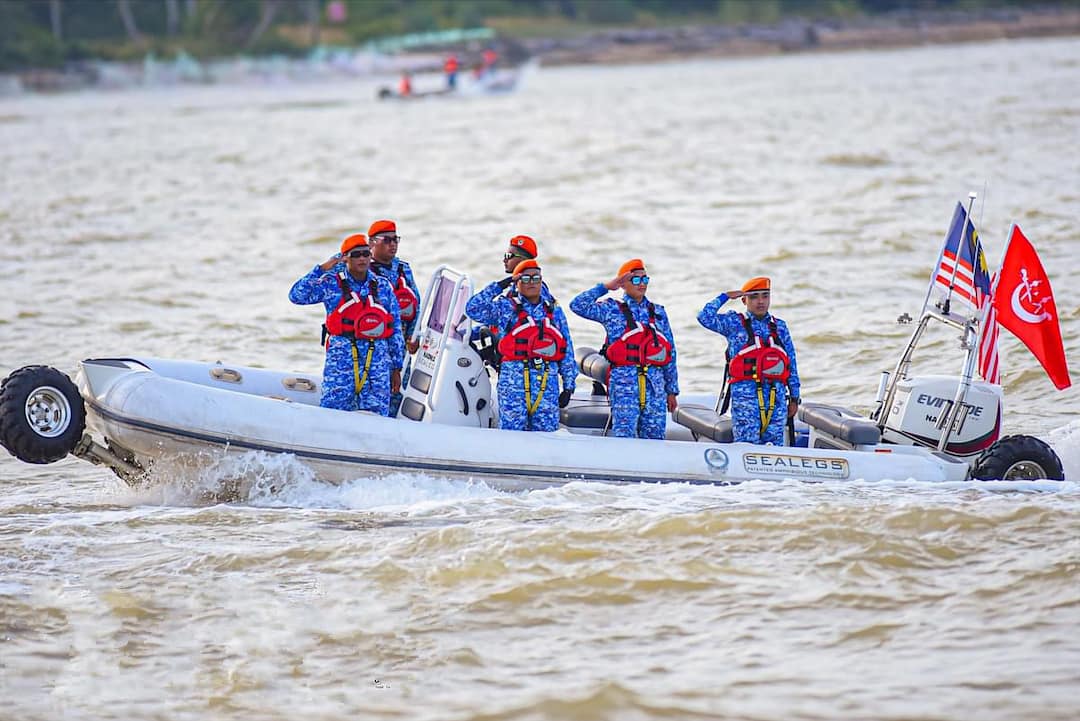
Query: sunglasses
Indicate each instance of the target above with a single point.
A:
(639, 280)
(388, 238)
(531, 278)
(510, 254)
(360, 253)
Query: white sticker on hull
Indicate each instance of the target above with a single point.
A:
(776, 464)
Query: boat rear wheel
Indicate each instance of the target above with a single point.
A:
(1018, 458)
(42, 415)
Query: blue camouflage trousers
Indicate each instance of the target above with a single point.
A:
(395, 398)
(628, 418)
(746, 413)
(513, 414)
(339, 383)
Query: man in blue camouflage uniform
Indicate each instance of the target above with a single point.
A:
(353, 380)
(384, 261)
(641, 395)
(529, 397)
(754, 404)
(484, 338)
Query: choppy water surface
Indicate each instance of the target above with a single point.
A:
(172, 223)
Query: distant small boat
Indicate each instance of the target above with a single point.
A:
(492, 83)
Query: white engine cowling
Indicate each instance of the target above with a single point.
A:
(920, 410)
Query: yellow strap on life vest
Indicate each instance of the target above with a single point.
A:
(766, 416)
(530, 405)
(358, 382)
(641, 387)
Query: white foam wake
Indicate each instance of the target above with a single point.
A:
(283, 481)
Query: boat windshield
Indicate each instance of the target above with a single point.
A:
(441, 310)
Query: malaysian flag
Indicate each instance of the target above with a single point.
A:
(971, 284)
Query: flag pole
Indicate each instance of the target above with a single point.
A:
(956, 261)
(1001, 262)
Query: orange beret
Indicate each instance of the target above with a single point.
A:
(631, 265)
(382, 226)
(352, 241)
(525, 243)
(526, 265)
(760, 283)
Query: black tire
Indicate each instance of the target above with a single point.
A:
(1018, 458)
(42, 415)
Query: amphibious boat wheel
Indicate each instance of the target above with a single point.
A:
(1018, 458)
(42, 416)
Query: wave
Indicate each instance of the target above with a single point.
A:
(857, 160)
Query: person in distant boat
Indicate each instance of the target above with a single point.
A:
(384, 262)
(535, 349)
(450, 68)
(486, 338)
(762, 374)
(644, 382)
(364, 346)
(405, 84)
(487, 61)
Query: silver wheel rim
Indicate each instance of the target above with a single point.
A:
(48, 412)
(1024, 471)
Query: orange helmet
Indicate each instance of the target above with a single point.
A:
(352, 241)
(382, 226)
(524, 243)
(760, 283)
(631, 265)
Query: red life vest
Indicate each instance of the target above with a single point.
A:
(760, 362)
(641, 344)
(359, 318)
(451, 64)
(407, 300)
(526, 339)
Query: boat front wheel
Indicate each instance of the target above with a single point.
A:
(1018, 458)
(42, 415)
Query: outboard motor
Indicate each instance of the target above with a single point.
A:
(921, 406)
(448, 383)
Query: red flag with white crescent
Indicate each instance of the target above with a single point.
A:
(1024, 303)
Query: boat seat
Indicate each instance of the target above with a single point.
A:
(592, 365)
(840, 423)
(592, 415)
(704, 421)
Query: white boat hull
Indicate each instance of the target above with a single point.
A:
(191, 417)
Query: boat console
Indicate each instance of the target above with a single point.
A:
(447, 381)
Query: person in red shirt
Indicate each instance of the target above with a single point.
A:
(450, 67)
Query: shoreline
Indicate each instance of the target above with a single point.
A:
(794, 35)
(622, 46)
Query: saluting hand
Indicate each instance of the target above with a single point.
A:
(331, 262)
(734, 293)
(617, 281)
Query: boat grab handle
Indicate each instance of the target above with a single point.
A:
(464, 398)
(302, 385)
(226, 375)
